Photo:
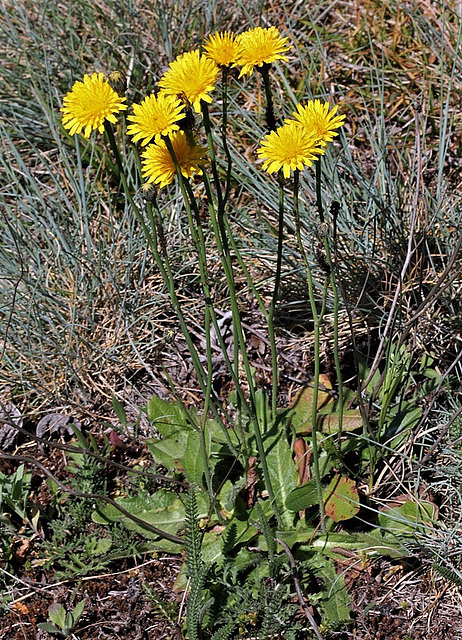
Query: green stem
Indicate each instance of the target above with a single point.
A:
(213, 161)
(221, 215)
(115, 150)
(335, 293)
(223, 248)
(197, 235)
(204, 279)
(245, 271)
(167, 276)
(270, 117)
(272, 309)
(224, 139)
(84, 209)
(271, 124)
(225, 255)
(207, 398)
(316, 321)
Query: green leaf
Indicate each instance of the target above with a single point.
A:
(192, 459)
(119, 411)
(50, 628)
(403, 418)
(409, 517)
(179, 438)
(301, 411)
(263, 411)
(302, 497)
(334, 599)
(227, 496)
(364, 372)
(328, 422)
(161, 509)
(372, 542)
(212, 547)
(80, 437)
(170, 450)
(78, 610)
(214, 434)
(301, 533)
(168, 414)
(283, 474)
(57, 614)
(101, 546)
(237, 532)
(341, 500)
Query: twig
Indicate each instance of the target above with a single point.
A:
(444, 431)
(94, 496)
(183, 601)
(92, 454)
(410, 252)
(293, 566)
(48, 587)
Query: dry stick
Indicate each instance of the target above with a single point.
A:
(443, 433)
(437, 391)
(98, 576)
(437, 287)
(409, 254)
(26, 584)
(183, 602)
(293, 566)
(95, 496)
(92, 454)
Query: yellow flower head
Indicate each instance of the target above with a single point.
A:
(289, 147)
(316, 118)
(190, 74)
(222, 48)
(259, 46)
(158, 165)
(155, 117)
(89, 104)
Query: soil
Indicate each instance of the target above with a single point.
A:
(389, 602)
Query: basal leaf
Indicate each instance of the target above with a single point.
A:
(57, 614)
(169, 451)
(408, 517)
(283, 475)
(302, 406)
(164, 414)
(335, 600)
(341, 500)
(329, 422)
(192, 459)
(302, 497)
(162, 509)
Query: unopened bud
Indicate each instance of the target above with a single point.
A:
(118, 82)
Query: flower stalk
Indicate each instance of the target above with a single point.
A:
(317, 317)
(164, 125)
(335, 293)
(272, 309)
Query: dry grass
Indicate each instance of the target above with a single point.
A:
(91, 308)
